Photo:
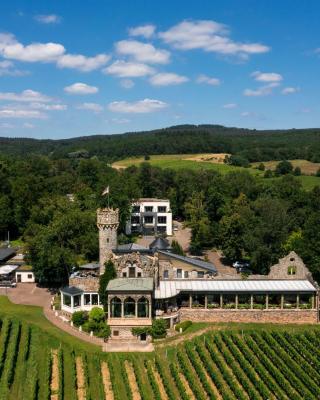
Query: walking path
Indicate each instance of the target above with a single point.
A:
(30, 294)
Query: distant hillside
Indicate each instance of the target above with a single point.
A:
(183, 139)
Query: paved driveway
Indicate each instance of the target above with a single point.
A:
(28, 294)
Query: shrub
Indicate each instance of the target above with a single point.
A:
(96, 315)
(183, 325)
(79, 318)
(159, 329)
(104, 332)
(268, 174)
(261, 167)
(297, 171)
(141, 330)
(284, 167)
(177, 248)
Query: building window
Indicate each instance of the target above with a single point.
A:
(162, 209)
(148, 209)
(186, 274)
(148, 220)
(129, 307)
(136, 209)
(115, 333)
(124, 274)
(76, 301)
(162, 220)
(30, 276)
(94, 299)
(200, 274)
(179, 273)
(139, 274)
(143, 308)
(67, 300)
(292, 270)
(132, 272)
(165, 274)
(116, 308)
(135, 220)
(87, 300)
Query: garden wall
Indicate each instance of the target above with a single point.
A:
(272, 316)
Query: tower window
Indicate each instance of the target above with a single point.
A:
(132, 272)
(108, 240)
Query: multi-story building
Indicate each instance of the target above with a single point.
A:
(150, 217)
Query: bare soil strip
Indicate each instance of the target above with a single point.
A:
(81, 384)
(186, 386)
(132, 381)
(160, 383)
(54, 375)
(106, 381)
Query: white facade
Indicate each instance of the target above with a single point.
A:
(150, 217)
(71, 302)
(25, 277)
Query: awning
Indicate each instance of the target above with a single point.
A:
(7, 269)
(169, 289)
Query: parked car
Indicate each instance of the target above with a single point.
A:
(244, 270)
(238, 264)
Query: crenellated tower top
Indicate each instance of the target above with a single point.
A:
(107, 223)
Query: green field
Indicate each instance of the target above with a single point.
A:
(180, 161)
(229, 361)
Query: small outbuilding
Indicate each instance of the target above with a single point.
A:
(25, 274)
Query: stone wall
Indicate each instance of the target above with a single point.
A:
(263, 316)
(88, 284)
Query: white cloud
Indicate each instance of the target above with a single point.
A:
(290, 90)
(21, 113)
(209, 81)
(127, 83)
(209, 36)
(83, 63)
(10, 48)
(28, 125)
(125, 69)
(142, 52)
(95, 107)
(137, 107)
(167, 79)
(120, 120)
(261, 91)
(7, 68)
(144, 30)
(248, 114)
(27, 95)
(230, 105)
(48, 107)
(267, 76)
(48, 19)
(6, 125)
(81, 88)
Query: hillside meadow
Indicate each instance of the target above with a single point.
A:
(210, 161)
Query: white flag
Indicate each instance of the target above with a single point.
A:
(106, 191)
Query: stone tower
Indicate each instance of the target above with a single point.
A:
(107, 223)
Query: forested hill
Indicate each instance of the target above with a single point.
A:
(253, 144)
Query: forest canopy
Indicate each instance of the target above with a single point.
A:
(244, 216)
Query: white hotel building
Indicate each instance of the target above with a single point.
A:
(150, 217)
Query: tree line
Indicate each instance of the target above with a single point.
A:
(249, 145)
(242, 215)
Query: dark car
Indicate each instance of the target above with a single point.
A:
(244, 270)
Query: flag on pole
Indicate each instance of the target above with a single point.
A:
(106, 191)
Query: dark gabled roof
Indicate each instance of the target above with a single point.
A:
(6, 253)
(192, 261)
(159, 243)
(72, 290)
(130, 285)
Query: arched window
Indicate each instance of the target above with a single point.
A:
(129, 307)
(116, 308)
(143, 307)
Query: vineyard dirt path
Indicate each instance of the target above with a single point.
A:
(106, 381)
(81, 388)
(160, 383)
(186, 386)
(132, 381)
(188, 336)
(54, 375)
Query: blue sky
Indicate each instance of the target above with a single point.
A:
(74, 68)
